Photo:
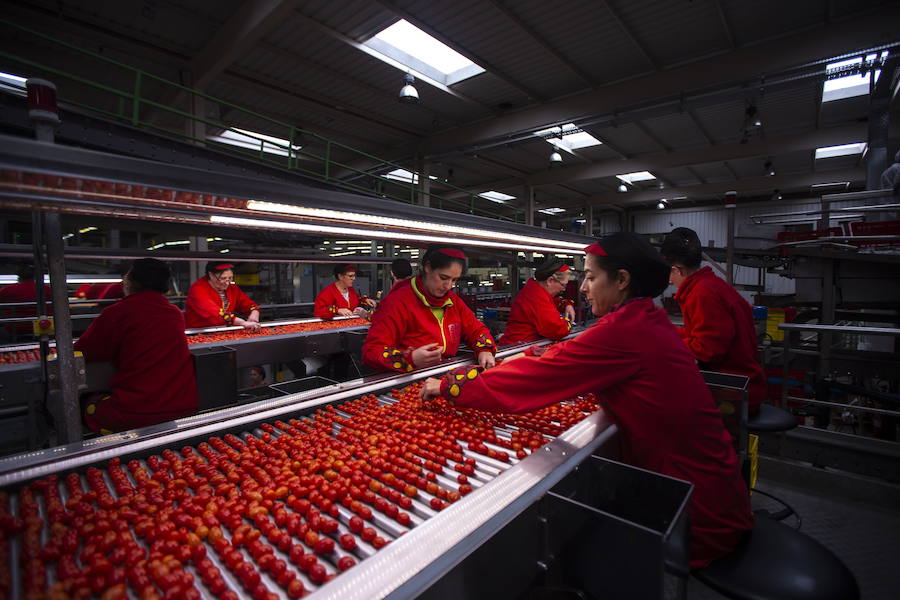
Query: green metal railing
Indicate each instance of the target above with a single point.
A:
(131, 102)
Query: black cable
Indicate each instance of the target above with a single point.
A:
(781, 515)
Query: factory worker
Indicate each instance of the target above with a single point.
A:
(215, 300)
(647, 382)
(422, 320)
(340, 298)
(25, 290)
(142, 335)
(535, 312)
(718, 322)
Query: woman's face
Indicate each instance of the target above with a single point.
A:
(558, 286)
(346, 279)
(601, 291)
(439, 281)
(221, 280)
(127, 284)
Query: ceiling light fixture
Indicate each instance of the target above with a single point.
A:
(408, 93)
(769, 168)
(555, 157)
(390, 235)
(662, 204)
(359, 218)
(623, 188)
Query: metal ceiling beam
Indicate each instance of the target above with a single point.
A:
(725, 26)
(802, 48)
(709, 139)
(746, 186)
(478, 60)
(697, 175)
(337, 35)
(237, 36)
(773, 145)
(627, 31)
(531, 33)
(329, 106)
(731, 170)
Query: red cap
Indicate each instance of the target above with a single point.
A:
(563, 269)
(597, 249)
(452, 252)
(348, 268)
(223, 267)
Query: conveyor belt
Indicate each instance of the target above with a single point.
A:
(389, 434)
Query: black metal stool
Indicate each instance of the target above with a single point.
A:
(772, 419)
(776, 562)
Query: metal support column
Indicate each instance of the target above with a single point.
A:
(827, 316)
(825, 219)
(730, 208)
(879, 122)
(589, 219)
(197, 268)
(528, 198)
(424, 184)
(68, 412)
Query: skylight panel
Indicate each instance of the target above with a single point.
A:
(842, 150)
(243, 138)
(552, 211)
(568, 137)
(631, 178)
(849, 86)
(405, 176)
(497, 197)
(407, 47)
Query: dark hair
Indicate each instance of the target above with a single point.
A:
(439, 260)
(631, 252)
(401, 268)
(682, 246)
(258, 370)
(341, 269)
(150, 274)
(547, 268)
(25, 273)
(219, 265)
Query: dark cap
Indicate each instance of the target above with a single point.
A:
(649, 272)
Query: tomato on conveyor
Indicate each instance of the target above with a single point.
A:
(288, 507)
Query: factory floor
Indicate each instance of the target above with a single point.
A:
(865, 536)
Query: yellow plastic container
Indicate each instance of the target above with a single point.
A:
(775, 318)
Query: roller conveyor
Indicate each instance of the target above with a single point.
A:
(418, 552)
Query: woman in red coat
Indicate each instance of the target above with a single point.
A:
(647, 382)
(143, 336)
(718, 322)
(339, 298)
(422, 320)
(215, 300)
(535, 314)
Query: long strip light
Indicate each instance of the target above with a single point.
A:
(7, 279)
(268, 224)
(290, 209)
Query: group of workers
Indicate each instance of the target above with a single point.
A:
(644, 370)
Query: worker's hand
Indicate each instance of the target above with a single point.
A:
(247, 324)
(431, 389)
(569, 312)
(513, 357)
(427, 355)
(345, 312)
(370, 302)
(486, 360)
(362, 313)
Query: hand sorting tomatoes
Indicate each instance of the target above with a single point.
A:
(287, 509)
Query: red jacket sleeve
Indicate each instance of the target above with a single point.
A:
(325, 306)
(550, 324)
(474, 332)
(242, 304)
(590, 362)
(101, 341)
(709, 327)
(381, 349)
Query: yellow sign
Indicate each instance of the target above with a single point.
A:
(43, 326)
(246, 278)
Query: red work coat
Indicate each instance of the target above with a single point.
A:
(405, 321)
(330, 300)
(648, 383)
(718, 329)
(534, 315)
(105, 291)
(143, 336)
(203, 305)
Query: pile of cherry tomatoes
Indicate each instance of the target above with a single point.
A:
(288, 507)
(224, 336)
(23, 356)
